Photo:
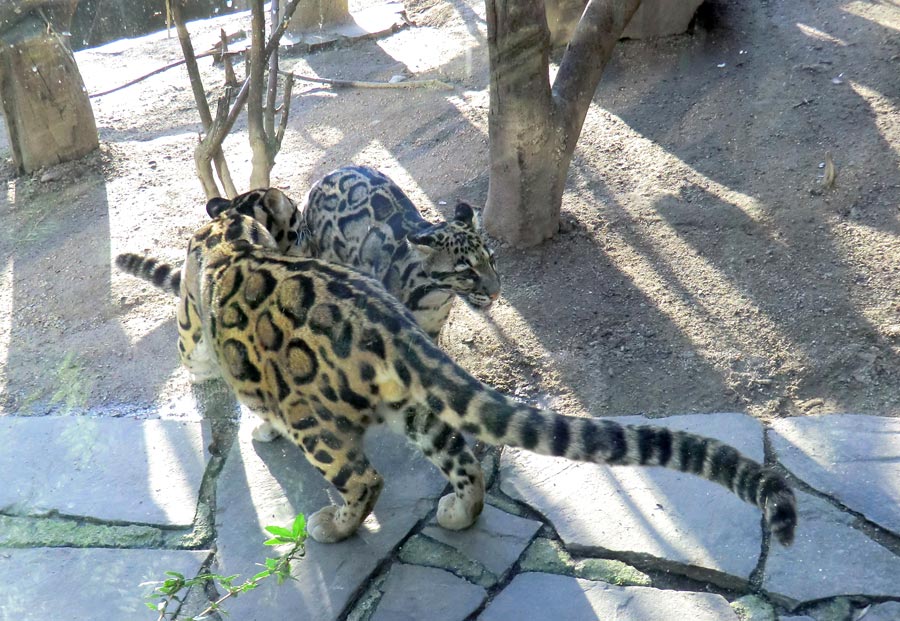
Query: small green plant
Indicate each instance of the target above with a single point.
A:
(170, 589)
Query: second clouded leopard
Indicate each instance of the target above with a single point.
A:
(322, 352)
(358, 216)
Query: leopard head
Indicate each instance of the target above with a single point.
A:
(458, 257)
(271, 208)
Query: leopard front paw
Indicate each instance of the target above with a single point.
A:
(326, 525)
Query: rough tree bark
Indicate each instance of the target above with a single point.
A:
(534, 126)
(46, 108)
(259, 176)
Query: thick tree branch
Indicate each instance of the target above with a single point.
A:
(259, 177)
(225, 118)
(190, 59)
(584, 61)
(285, 111)
(272, 86)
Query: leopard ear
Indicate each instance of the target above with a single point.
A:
(425, 240)
(464, 213)
(279, 204)
(216, 206)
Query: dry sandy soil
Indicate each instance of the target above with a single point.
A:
(701, 266)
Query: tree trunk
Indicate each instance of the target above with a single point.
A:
(46, 108)
(318, 14)
(523, 136)
(259, 175)
(533, 128)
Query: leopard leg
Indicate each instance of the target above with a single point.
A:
(446, 448)
(264, 430)
(358, 483)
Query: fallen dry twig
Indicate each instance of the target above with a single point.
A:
(436, 84)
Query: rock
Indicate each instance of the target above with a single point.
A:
(547, 556)
(829, 558)
(547, 597)
(263, 484)
(414, 593)
(496, 540)
(613, 572)
(661, 18)
(887, 611)
(51, 174)
(753, 608)
(20, 532)
(852, 458)
(421, 550)
(155, 468)
(689, 524)
(86, 584)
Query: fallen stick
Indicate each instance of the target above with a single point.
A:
(171, 65)
(437, 84)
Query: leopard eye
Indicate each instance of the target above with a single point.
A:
(462, 267)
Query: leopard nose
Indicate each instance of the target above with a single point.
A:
(494, 296)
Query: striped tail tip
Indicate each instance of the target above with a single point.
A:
(780, 510)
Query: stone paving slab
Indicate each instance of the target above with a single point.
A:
(829, 558)
(496, 540)
(855, 459)
(264, 484)
(71, 584)
(414, 593)
(648, 511)
(126, 470)
(548, 597)
(888, 611)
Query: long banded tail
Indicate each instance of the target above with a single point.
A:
(498, 419)
(163, 275)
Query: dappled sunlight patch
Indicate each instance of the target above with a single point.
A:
(815, 33)
(170, 483)
(421, 52)
(707, 317)
(883, 17)
(6, 315)
(377, 155)
(886, 113)
(473, 106)
(639, 513)
(877, 304)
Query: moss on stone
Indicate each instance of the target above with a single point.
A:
(422, 550)
(24, 532)
(547, 556)
(753, 608)
(613, 572)
(367, 604)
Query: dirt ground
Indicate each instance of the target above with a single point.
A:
(701, 266)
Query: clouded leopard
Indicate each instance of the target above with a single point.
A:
(359, 217)
(323, 352)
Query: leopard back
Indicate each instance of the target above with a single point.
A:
(321, 352)
(358, 216)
